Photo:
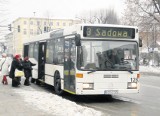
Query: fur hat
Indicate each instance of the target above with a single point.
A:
(17, 56)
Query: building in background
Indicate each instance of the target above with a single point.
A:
(9, 43)
(2, 46)
(26, 28)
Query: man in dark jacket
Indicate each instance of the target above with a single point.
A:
(27, 65)
(16, 64)
(114, 57)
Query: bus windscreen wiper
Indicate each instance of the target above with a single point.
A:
(130, 71)
(91, 71)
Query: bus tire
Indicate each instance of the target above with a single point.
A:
(32, 80)
(57, 84)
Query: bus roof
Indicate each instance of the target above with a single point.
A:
(70, 30)
(38, 37)
(107, 25)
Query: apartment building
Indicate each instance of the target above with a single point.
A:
(25, 28)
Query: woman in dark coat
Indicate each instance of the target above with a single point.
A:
(16, 64)
(27, 65)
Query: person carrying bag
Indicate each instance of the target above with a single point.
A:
(19, 73)
(15, 71)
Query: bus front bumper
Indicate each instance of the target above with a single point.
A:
(105, 91)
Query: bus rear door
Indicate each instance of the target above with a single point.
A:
(41, 61)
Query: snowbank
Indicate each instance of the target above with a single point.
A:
(53, 104)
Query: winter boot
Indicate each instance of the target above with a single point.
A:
(26, 82)
(4, 81)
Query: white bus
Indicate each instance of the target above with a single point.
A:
(78, 59)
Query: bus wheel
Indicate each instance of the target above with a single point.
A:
(32, 80)
(57, 84)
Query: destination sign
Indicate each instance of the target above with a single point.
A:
(109, 32)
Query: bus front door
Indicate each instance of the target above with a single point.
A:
(26, 49)
(69, 68)
(41, 61)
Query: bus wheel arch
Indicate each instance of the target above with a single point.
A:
(57, 83)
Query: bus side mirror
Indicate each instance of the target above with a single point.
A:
(78, 40)
(140, 42)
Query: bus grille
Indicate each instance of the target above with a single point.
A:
(111, 76)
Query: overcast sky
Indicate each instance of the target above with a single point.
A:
(67, 9)
(59, 8)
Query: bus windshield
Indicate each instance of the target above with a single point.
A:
(107, 55)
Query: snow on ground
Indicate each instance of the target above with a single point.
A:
(56, 105)
(53, 104)
(149, 69)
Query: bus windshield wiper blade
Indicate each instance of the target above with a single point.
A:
(91, 71)
(130, 71)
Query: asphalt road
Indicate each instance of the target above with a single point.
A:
(145, 103)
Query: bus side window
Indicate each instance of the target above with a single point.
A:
(55, 60)
(58, 57)
(49, 51)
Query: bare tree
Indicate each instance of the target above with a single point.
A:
(3, 14)
(131, 16)
(140, 11)
(108, 16)
(157, 5)
(145, 15)
(46, 27)
(48, 15)
(103, 16)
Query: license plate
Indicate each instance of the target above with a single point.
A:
(110, 91)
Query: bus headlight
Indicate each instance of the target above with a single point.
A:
(132, 85)
(88, 85)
